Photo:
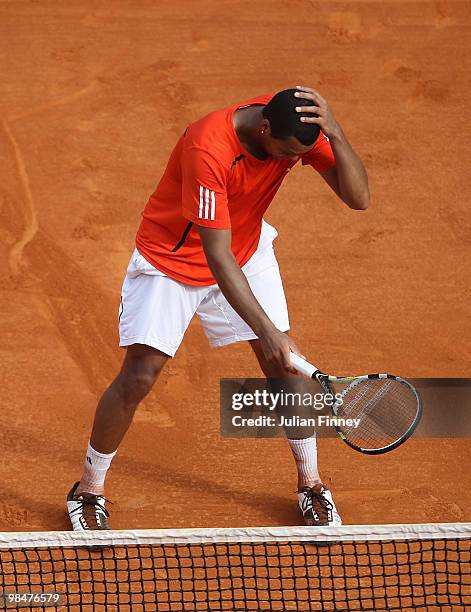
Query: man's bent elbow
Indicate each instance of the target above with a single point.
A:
(360, 203)
(363, 204)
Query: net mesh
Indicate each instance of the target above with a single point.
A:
(262, 570)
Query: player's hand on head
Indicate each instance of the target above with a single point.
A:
(322, 114)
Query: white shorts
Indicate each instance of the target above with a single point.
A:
(156, 310)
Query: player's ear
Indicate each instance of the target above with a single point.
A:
(265, 129)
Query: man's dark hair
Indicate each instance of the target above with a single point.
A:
(285, 121)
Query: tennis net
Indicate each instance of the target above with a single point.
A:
(366, 567)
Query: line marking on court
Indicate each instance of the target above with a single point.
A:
(28, 209)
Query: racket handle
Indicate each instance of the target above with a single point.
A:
(302, 366)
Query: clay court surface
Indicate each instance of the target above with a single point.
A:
(93, 98)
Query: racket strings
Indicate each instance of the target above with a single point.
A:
(381, 410)
(364, 400)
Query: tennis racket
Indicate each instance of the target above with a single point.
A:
(381, 410)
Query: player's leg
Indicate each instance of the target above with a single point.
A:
(302, 440)
(155, 312)
(223, 326)
(141, 367)
(314, 499)
(85, 501)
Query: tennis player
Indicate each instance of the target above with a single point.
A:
(204, 248)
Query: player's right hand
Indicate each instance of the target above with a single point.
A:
(276, 347)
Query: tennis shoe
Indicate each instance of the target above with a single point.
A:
(86, 510)
(318, 507)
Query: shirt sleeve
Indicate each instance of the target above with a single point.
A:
(204, 194)
(321, 156)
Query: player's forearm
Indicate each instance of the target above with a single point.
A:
(236, 290)
(351, 173)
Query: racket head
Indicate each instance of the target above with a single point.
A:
(388, 408)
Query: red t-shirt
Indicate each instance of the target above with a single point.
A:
(211, 180)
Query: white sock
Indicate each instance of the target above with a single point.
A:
(305, 455)
(94, 473)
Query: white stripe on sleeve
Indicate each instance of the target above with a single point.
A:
(206, 201)
(213, 205)
(207, 207)
(200, 213)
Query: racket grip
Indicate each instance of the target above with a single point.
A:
(302, 366)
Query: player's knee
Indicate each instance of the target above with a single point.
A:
(136, 383)
(140, 370)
